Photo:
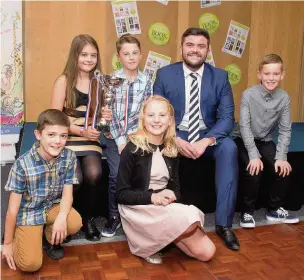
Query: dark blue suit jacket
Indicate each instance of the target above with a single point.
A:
(216, 100)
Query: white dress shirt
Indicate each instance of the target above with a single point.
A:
(188, 80)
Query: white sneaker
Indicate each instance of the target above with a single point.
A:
(155, 259)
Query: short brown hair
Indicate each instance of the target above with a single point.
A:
(52, 117)
(127, 38)
(195, 31)
(270, 58)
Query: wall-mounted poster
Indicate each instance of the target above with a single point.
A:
(159, 34)
(154, 62)
(210, 3)
(164, 2)
(234, 74)
(236, 39)
(12, 109)
(209, 58)
(210, 22)
(126, 17)
(116, 65)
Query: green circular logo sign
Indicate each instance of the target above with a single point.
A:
(234, 74)
(116, 65)
(209, 22)
(159, 34)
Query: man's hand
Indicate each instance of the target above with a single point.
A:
(121, 147)
(185, 148)
(106, 113)
(59, 231)
(255, 166)
(7, 253)
(201, 146)
(91, 134)
(284, 167)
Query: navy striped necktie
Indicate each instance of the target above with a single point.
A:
(193, 127)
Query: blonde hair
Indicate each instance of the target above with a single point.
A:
(269, 59)
(71, 67)
(140, 137)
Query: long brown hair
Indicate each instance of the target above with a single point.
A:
(140, 137)
(71, 67)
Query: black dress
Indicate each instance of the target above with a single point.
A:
(81, 145)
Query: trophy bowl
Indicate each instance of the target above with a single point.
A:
(109, 84)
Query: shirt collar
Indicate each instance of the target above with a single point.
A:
(121, 74)
(266, 93)
(187, 71)
(37, 156)
(154, 147)
(34, 151)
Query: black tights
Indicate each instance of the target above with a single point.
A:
(89, 173)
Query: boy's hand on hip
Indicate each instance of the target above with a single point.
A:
(7, 253)
(59, 231)
(255, 166)
(283, 167)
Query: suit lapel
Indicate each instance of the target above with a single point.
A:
(180, 86)
(205, 87)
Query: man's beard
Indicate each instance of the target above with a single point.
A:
(196, 65)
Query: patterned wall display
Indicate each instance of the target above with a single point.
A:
(12, 109)
(11, 66)
(238, 38)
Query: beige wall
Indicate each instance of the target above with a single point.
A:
(226, 12)
(146, 17)
(278, 27)
(49, 28)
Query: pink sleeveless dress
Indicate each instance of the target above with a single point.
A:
(150, 228)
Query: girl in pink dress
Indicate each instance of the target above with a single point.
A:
(148, 190)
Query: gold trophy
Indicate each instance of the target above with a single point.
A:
(101, 94)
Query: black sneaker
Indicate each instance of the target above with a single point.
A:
(247, 221)
(111, 226)
(90, 230)
(55, 252)
(282, 216)
(67, 239)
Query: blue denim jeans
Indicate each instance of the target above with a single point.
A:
(113, 159)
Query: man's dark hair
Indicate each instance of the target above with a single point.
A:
(196, 32)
